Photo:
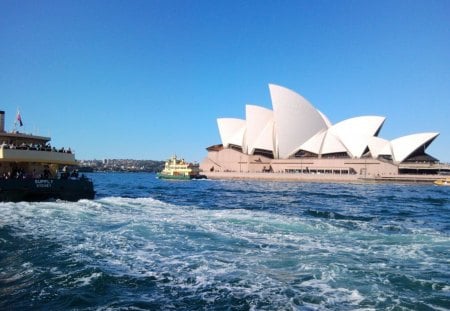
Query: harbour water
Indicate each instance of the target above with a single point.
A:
(149, 244)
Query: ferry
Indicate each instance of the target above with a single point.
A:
(442, 182)
(175, 168)
(32, 170)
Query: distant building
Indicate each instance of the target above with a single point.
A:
(296, 137)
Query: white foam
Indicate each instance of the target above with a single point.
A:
(332, 295)
(245, 252)
(438, 308)
(83, 281)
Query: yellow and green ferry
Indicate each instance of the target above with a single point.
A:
(175, 168)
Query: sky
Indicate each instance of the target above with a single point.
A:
(145, 79)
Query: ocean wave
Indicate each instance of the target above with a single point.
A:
(191, 247)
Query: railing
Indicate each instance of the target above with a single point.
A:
(29, 155)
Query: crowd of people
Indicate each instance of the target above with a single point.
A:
(20, 173)
(38, 147)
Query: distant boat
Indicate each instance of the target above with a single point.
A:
(175, 168)
(442, 182)
(31, 170)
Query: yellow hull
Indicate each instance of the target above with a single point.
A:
(442, 182)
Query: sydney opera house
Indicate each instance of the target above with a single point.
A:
(297, 139)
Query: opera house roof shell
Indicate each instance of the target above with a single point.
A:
(295, 128)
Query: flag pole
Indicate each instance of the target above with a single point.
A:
(15, 120)
(18, 119)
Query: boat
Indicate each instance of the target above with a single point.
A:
(442, 182)
(32, 170)
(175, 168)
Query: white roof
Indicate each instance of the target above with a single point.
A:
(314, 144)
(294, 124)
(351, 136)
(404, 146)
(378, 146)
(259, 133)
(332, 144)
(325, 119)
(355, 133)
(296, 120)
(231, 131)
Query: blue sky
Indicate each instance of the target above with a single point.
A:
(147, 79)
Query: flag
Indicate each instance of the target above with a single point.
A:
(19, 118)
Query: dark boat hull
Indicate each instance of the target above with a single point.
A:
(180, 177)
(16, 190)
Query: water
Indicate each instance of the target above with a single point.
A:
(149, 244)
